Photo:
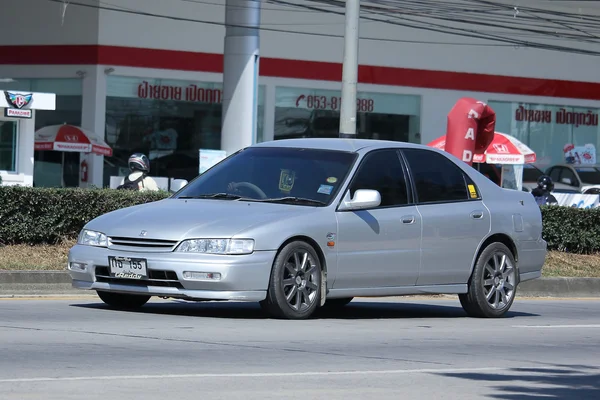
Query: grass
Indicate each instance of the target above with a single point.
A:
(54, 257)
(42, 257)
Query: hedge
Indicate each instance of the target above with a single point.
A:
(572, 230)
(44, 215)
(50, 215)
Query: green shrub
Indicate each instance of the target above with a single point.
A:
(573, 230)
(49, 215)
(45, 215)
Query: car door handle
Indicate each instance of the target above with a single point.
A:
(408, 219)
(477, 214)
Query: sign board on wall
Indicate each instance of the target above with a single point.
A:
(331, 100)
(580, 155)
(18, 104)
(209, 157)
(169, 90)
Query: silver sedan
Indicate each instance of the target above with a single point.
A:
(306, 223)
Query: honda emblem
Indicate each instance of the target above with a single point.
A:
(501, 148)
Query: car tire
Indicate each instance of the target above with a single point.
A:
(295, 284)
(493, 284)
(122, 300)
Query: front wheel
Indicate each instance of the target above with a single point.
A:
(295, 285)
(493, 284)
(122, 300)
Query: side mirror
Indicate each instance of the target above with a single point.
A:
(363, 199)
(567, 181)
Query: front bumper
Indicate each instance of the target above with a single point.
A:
(244, 277)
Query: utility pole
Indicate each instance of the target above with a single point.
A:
(350, 71)
(240, 74)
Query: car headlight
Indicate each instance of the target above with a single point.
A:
(217, 246)
(92, 238)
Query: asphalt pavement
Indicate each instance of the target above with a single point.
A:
(417, 348)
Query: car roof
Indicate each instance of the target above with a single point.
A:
(339, 144)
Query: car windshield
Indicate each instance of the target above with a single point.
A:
(589, 175)
(531, 173)
(274, 174)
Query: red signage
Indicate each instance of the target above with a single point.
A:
(332, 103)
(561, 117)
(191, 93)
(576, 118)
(17, 113)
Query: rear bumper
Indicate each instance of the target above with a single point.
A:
(532, 256)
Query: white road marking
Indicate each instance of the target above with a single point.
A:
(261, 374)
(556, 326)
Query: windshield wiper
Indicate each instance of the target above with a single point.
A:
(213, 196)
(290, 200)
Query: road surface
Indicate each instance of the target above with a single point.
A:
(76, 348)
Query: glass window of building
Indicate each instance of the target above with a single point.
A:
(558, 134)
(49, 168)
(168, 120)
(8, 145)
(315, 113)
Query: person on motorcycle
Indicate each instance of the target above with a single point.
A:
(138, 179)
(542, 193)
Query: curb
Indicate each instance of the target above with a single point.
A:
(35, 282)
(59, 282)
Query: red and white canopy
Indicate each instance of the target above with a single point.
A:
(70, 138)
(504, 149)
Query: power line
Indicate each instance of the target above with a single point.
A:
(403, 20)
(215, 23)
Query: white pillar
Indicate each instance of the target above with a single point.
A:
(350, 70)
(93, 117)
(240, 74)
(25, 150)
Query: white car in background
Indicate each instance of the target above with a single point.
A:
(582, 178)
(531, 174)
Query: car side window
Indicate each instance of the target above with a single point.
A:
(382, 171)
(567, 173)
(437, 178)
(555, 174)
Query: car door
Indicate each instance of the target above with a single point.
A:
(379, 247)
(454, 217)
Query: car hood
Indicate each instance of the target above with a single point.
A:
(177, 219)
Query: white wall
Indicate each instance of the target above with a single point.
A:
(40, 22)
(117, 28)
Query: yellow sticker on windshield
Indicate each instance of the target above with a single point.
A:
(473, 191)
(286, 180)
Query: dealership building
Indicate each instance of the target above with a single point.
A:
(147, 76)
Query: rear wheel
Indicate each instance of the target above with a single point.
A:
(122, 300)
(295, 285)
(493, 284)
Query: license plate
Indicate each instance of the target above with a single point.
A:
(128, 268)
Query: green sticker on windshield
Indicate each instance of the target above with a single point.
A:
(286, 180)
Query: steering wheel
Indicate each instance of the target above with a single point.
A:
(252, 187)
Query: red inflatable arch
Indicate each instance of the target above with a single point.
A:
(471, 127)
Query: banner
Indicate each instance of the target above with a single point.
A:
(577, 200)
(209, 157)
(470, 130)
